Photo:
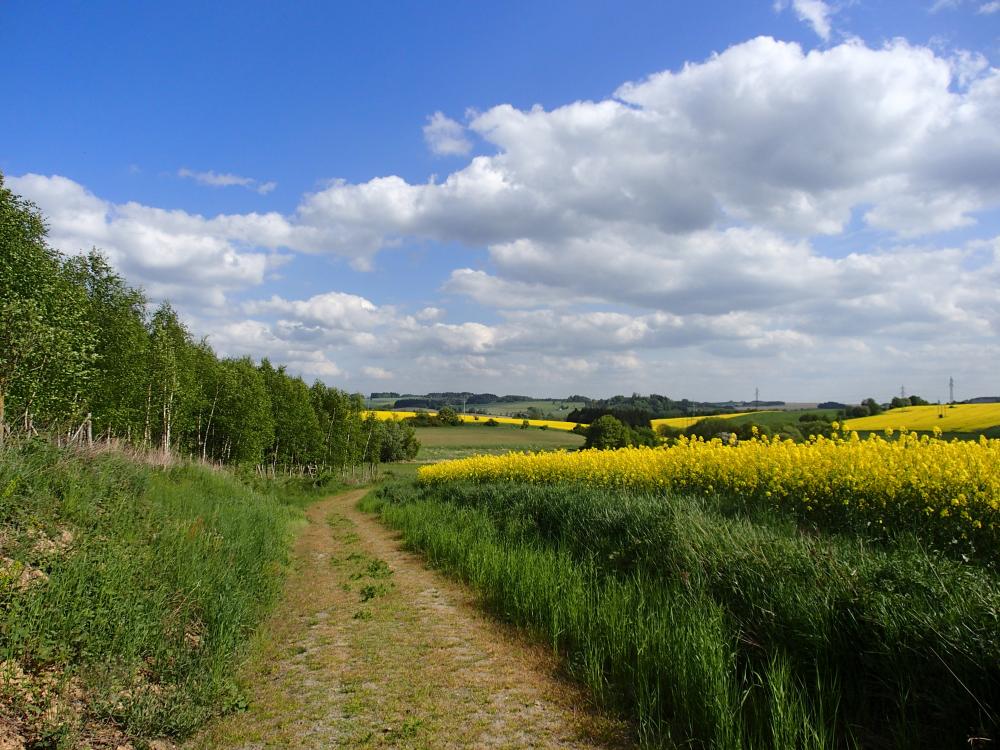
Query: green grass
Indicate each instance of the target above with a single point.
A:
(153, 581)
(439, 443)
(714, 629)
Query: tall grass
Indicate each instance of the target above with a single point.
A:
(714, 630)
(153, 580)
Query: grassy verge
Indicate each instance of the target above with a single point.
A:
(722, 631)
(126, 593)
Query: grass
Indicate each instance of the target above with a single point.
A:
(439, 443)
(715, 629)
(143, 586)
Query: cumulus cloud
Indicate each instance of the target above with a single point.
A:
(215, 179)
(680, 214)
(173, 254)
(763, 134)
(446, 137)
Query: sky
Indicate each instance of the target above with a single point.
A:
(545, 198)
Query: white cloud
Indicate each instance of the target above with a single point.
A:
(377, 373)
(430, 314)
(984, 8)
(215, 179)
(814, 12)
(762, 134)
(173, 254)
(663, 238)
(446, 137)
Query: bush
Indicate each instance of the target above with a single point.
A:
(710, 427)
(491, 423)
(667, 432)
(607, 432)
(448, 416)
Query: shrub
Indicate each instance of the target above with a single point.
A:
(607, 432)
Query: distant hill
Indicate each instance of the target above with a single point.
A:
(983, 400)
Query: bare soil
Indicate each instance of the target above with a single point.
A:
(370, 648)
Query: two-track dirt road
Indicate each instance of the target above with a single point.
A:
(369, 648)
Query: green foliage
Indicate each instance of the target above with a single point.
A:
(607, 432)
(399, 441)
(115, 313)
(710, 428)
(78, 350)
(873, 406)
(239, 425)
(46, 344)
(297, 436)
(448, 416)
(667, 432)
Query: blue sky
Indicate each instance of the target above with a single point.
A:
(367, 193)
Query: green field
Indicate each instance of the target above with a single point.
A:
(441, 443)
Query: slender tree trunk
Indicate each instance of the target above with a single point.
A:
(208, 427)
(147, 436)
(168, 404)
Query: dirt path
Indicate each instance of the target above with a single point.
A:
(369, 648)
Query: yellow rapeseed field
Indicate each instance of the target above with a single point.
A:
(391, 414)
(957, 418)
(947, 490)
(551, 423)
(480, 418)
(683, 422)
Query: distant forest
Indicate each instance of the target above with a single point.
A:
(83, 359)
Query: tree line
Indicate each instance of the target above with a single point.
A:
(82, 357)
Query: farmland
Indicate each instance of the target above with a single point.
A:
(948, 418)
(767, 595)
(437, 443)
(554, 407)
(683, 422)
(482, 419)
